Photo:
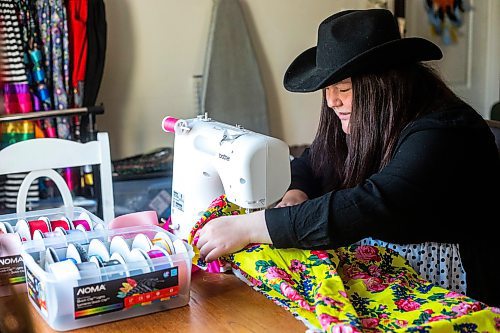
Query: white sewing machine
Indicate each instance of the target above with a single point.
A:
(212, 158)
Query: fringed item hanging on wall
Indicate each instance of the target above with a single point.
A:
(446, 18)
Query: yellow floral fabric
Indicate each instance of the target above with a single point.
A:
(358, 288)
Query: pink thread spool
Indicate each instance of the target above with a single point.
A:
(156, 254)
(174, 125)
(168, 124)
(83, 223)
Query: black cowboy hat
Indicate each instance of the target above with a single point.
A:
(353, 42)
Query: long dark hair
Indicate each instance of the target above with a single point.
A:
(383, 104)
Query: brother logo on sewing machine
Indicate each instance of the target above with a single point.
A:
(224, 157)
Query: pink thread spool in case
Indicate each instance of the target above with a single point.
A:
(79, 224)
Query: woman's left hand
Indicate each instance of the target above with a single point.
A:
(228, 234)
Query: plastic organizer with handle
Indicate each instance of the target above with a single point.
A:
(19, 227)
(89, 278)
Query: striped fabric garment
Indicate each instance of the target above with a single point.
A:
(12, 68)
(17, 99)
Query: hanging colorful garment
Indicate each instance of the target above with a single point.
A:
(16, 97)
(34, 61)
(77, 11)
(445, 17)
(357, 288)
(51, 19)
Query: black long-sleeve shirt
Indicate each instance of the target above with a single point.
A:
(441, 185)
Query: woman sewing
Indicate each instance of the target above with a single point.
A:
(398, 160)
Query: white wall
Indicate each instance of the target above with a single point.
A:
(156, 46)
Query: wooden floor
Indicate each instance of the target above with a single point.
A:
(219, 303)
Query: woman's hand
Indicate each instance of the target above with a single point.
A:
(292, 198)
(228, 234)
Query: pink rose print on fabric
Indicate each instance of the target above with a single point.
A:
(369, 322)
(367, 253)
(322, 255)
(453, 294)
(332, 302)
(277, 273)
(465, 308)
(438, 317)
(401, 323)
(374, 284)
(326, 320)
(304, 305)
(297, 266)
(289, 292)
(344, 329)
(354, 272)
(375, 270)
(407, 304)
(292, 294)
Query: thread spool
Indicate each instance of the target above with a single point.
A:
(77, 252)
(62, 223)
(112, 270)
(156, 253)
(117, 256)
(142, 241)
(98, 248)
(168, 124)
(59, 231)
(40, 224)
(173, 125)
(82, 225)
(97, 260)
(160, 258)
(140, 262)
(65, 270)
(50, 258)
(89, 273)
(37, 235)
(162, 239)
(46, 220)
(119, 244)
(26, 229)
(84, 221)
(8, 227)
(99, 226)
(160, 242)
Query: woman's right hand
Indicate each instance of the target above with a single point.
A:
(292, 198)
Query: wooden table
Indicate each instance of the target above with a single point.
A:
(219, 303)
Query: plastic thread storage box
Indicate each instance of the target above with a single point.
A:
(93, 277)
(18, 228)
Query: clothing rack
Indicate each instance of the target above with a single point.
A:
(90, 112)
